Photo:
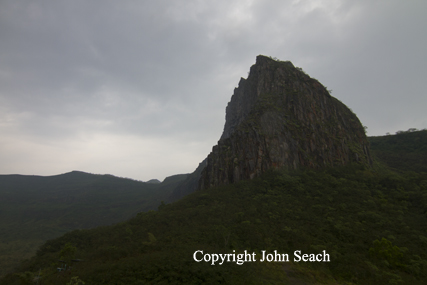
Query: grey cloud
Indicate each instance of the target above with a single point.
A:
(164, 71)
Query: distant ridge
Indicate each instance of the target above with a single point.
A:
(404, 151)
(35, 208)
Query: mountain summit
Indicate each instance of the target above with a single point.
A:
(281, 117)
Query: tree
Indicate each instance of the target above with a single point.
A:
(67, 254)
(390, 254)
(76, 281)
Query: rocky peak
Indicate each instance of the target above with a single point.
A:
(280, 117)
(248, 91)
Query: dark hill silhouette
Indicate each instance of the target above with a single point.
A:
(34, 209)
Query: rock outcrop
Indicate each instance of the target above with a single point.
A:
(280, 117)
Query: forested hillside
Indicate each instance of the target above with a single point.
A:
(371, 221)
(34, 209)
(406, 150)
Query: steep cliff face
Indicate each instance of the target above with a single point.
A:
(280, 117)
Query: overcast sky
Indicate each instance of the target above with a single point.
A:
(138, 89)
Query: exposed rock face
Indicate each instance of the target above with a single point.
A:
(280, 117)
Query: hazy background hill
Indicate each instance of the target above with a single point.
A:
(34, 209)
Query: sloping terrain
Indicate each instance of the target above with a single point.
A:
(406, 150)
(371, 223)
(34, 209)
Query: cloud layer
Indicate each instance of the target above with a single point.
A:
(139, 88)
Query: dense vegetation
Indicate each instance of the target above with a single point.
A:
(371, 221)
(407, 150)
(34, 209)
